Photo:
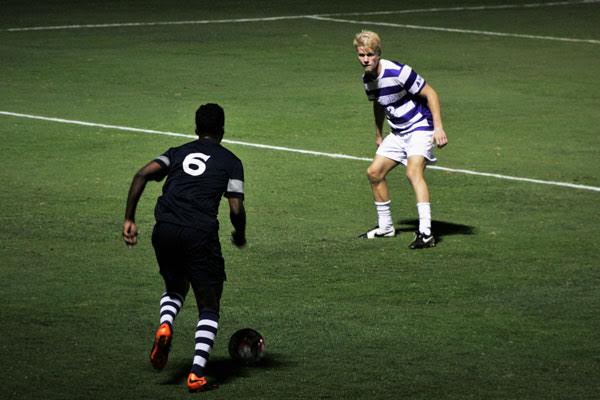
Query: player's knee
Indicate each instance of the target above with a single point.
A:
(414, 175)
(179, 287)
(208, 298)
(374, 175)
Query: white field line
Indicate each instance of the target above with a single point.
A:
(455, 30)
(462, 8)
(292, 150)
(278, 18)
(156, 23)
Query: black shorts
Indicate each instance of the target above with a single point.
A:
(186, 253)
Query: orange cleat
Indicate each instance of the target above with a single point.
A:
(196, 383)
(162, 345)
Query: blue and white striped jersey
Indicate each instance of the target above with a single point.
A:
(396, 89)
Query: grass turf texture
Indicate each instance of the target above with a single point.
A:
(505, 307)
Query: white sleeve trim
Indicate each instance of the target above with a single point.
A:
(165, 160)
(235, 186)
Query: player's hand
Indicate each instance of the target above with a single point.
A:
(238, 239)
(130, 233)
(439, 138)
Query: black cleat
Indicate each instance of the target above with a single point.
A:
(422, 241)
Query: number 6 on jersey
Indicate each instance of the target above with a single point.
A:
(195, 164)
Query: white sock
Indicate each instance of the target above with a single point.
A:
(384, 215)
(424, 210)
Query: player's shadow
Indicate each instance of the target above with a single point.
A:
(439, 228)
(221, 371)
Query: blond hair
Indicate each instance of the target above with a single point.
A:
(369, 40)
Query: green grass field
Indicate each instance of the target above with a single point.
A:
(506, 307)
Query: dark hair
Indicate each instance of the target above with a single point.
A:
(210, 120)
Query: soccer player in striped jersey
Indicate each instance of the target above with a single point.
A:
(412, 110)
(186, 234)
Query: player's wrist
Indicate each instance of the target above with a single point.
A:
(238, 238)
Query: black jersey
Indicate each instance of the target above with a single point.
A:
(199, 174)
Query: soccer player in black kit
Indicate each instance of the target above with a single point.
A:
(185, 236)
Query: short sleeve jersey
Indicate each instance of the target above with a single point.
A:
(199, 173)
(396, 89)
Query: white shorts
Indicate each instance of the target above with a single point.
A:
(400, 147)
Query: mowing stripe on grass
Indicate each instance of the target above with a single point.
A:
(279, 18)
(455, 30)
(292, 150)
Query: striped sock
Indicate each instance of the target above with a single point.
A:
(170, 304)
(206, 330)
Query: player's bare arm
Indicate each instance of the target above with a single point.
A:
(151, 171)
(433, 102)
(379, 114)
(237, 214)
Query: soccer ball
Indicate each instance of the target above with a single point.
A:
(247, 346)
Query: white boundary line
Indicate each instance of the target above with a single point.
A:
(156, 23)
(292, 150)
(324, 17)
(455, 30)
(463, 8)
